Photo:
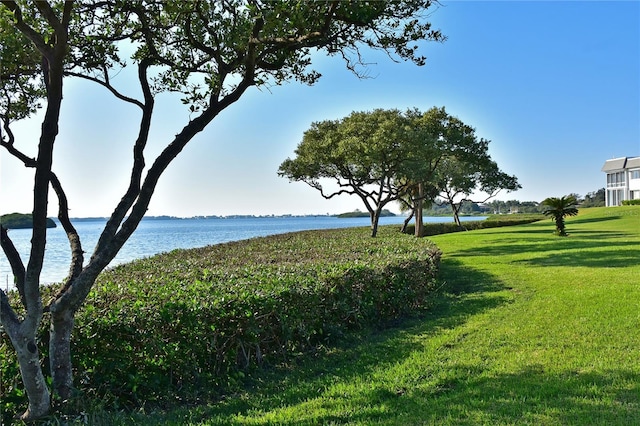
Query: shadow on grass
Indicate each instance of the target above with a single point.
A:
(461, 395)
(555, 246)
(465, 292)
(593, 219)
(606, 258)
(531, 396)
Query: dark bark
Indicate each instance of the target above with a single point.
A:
(60, 353)
(456, 212)
(419, 231)
(405, 224)
(17, 267)
(375, 218)
(23, 333)
(127, 215)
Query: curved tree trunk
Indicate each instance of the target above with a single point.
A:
(406, 221)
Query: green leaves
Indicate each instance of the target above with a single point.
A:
(20, 85)
(558, 209)
(185, 323)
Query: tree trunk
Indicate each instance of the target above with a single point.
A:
(60, 353)
(419, 231)
(560, 229)
(375, 218)
(406, 221)
(31, 371)
(456, 214)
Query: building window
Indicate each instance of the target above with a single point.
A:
(616, 179)
(635, 174)
(615, 197)
(635, 195)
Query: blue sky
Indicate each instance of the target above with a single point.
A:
(554, 85)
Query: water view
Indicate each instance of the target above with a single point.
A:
(158, 235)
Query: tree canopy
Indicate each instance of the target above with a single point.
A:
(210, 53)
(386, 155)
(362, 154)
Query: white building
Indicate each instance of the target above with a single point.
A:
(623, 180)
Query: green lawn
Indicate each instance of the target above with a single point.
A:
(528, 328)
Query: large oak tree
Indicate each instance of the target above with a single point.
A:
(456, 166)
(362, 154)
(211, 52)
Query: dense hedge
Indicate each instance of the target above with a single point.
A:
(635, 202)
(491, 222)
(180, 325)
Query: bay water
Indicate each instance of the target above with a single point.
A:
(158, 235)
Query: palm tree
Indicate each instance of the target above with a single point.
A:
(559, 208)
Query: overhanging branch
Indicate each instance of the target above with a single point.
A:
(108, 86)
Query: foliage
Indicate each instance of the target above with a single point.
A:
(21, 221)
(594, 199)
(469, 169)
(358, 213)
(361, 154)
(466, 208)
(558, 209)
(175, 326)
(20, 86)
(523, 331)
(514, 206)
(431, 229)
(449, 167)
(385, 155)
(635, 202)
(210, 53)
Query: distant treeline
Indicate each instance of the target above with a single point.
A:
(592, 199)
(358, 213)
(21, 221)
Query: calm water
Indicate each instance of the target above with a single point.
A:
(155, 236)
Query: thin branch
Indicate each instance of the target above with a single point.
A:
(26, 160)
(108, 86)
(45, 9)
(77, 255)
(133, 190)
(17, 267)
(8, 317)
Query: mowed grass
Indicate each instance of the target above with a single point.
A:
(528, 329)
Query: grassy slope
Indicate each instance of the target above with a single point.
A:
(530, 329)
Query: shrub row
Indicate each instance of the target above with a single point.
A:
(180, 325)
(493, 222)
(635, 202)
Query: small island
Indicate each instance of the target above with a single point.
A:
(358, 213)
(21, 221)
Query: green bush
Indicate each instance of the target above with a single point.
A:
(178, 326)
(635, 202)
(495, 221)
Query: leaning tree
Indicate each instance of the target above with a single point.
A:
(209, 52)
